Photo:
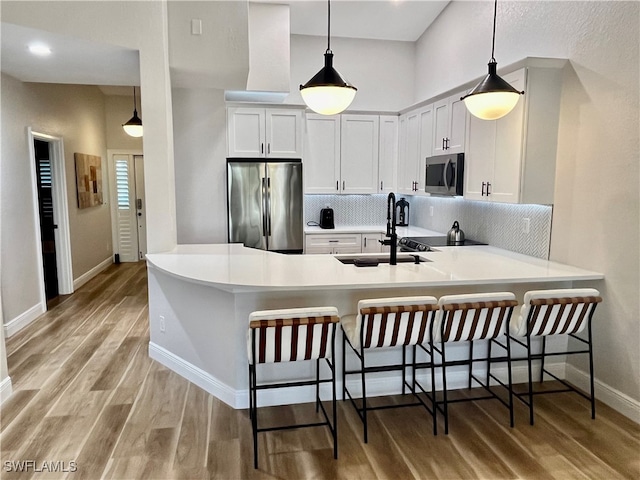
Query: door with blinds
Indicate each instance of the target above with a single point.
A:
(129, 226)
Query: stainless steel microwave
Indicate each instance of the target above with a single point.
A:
(445, 174)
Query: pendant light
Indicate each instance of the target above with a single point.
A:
(134, 126)
(493, 97)
(328, 93)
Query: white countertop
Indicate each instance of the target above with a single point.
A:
(235, 268)
(409, 231)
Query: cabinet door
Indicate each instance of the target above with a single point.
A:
(413, 151)
(245, 132)
(371, 243)
(359, 153)
(404, 177)
(440, 126)
(507, 168)
(284, 133)
(457, 124)
(426, 146)
(479, 157)
(322, 154)
(388, 150)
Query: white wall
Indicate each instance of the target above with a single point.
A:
(382, 71)
(199, 126)
(76, 114)
(596, 213)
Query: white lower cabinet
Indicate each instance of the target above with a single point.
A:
(333, 244)
(371, 243)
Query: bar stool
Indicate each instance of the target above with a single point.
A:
(292, 335)
(555, 312)
(385, 323)
(468, 318)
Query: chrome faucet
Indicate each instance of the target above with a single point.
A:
(391, 229)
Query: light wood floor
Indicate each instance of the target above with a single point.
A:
(86, 391)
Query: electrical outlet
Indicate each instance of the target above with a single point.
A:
(431, 211)
(526, 224)
(162, 326)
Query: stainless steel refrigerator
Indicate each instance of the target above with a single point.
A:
(264, 204)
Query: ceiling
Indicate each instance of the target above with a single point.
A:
(78, 61)
(403, 20)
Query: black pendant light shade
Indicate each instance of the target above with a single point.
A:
(493, 97)
(328, 93)
(133, 127)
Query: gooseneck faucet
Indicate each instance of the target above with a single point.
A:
(391, 229)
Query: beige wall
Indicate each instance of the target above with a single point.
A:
(76, 114)
(596, 213)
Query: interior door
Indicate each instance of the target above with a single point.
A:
(47, 223)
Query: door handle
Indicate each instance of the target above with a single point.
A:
(262, 148)
(483, 185)
(337, 185)
(343, 185)
(264, 207)
(381, 187)
(268, 148)
(444, 173)
(488, 189)
(268, 206)
(443, 147)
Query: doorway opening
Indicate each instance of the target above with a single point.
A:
(128, 206)
(47, 223)
(51, 216)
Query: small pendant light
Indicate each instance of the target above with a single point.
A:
(328, 93)
(134, 126)
(493, 97)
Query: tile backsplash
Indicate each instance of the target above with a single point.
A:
(498, 224)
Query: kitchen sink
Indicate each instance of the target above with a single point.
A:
(372, 261)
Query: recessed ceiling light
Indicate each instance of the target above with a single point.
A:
(39, 49)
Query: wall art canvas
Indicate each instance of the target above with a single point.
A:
(89, 179)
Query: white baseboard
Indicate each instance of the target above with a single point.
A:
(14, 326)
(617, 400)
(84, 278)
(5, 389)
(377, 386)
(195, 375)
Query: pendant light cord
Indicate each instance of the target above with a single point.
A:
(493, 39)
(134, 101)
(329, 26)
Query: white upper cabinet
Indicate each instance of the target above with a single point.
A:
(264, 133)
(416, 145)
(512, 159)
(322, 154)
(359, 153)
(449, 125)
(388, 154)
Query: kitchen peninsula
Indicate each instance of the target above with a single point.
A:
(200, 297)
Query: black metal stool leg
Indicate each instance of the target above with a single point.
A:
(591, 382)
(404, 368)
(543, 352)
(364, 396)
(444, 390)
(470, 362)
(254, 415)
(344, 365)
(317, 385)
(529, 365)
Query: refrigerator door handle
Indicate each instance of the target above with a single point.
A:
(268, 206)
(264, 207)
